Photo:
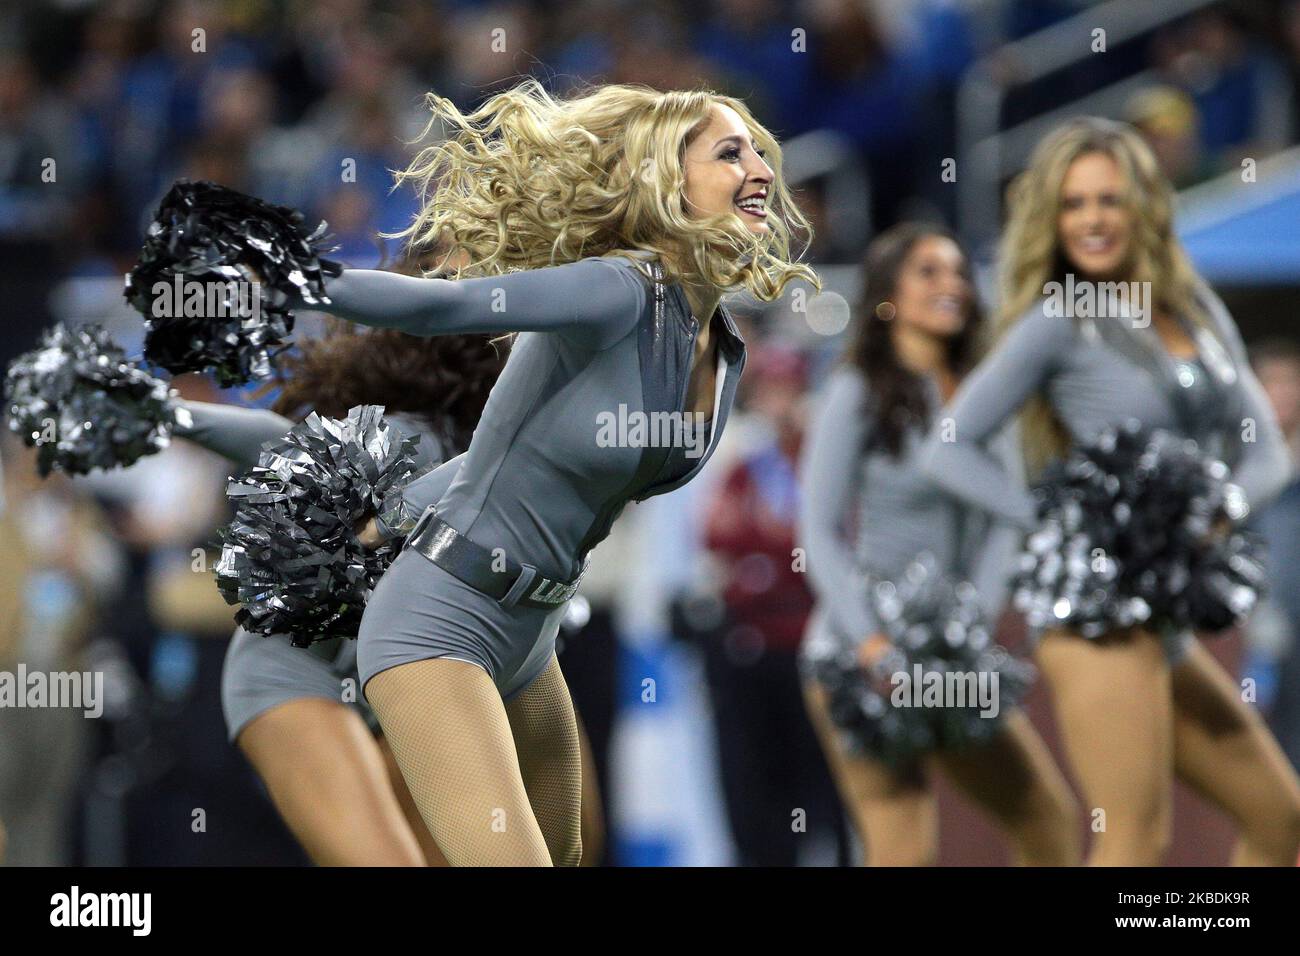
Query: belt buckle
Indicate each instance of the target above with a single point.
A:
(527, 574)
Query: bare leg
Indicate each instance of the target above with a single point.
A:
(447, 727)
(1114, 706)
(1016, 781)
(327, 779)
(894, 812)
(1223, 749)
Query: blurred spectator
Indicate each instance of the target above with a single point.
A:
(1289, 34)
(865, 90)
(60, 565)
(1166, 118)
(776, 784)
(752, 44)
(1274, 655)
(1233, 81)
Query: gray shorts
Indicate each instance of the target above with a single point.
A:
(820, 638)
(419, 612)
(264, 672)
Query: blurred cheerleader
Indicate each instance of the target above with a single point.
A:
(1135, 706)
(916, 340)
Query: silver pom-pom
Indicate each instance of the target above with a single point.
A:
(220, 242)
(1137, 529)
(84, 405)
(924, 692)
(291, 558)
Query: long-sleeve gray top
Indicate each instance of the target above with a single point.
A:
(1094, 377)
(550, 467)
(240, 433)
(867, 511)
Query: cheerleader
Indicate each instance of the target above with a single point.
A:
(295, 712)
(921, 323)
(1135, 708)
(605, 228)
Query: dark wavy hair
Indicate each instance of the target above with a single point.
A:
(443, 379)
(897, 393)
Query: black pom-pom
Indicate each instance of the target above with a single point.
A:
(291, 557)
(1134, 530)
(84, 405)
(215, 241)
(924, 693)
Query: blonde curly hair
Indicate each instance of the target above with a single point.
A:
(528, 180)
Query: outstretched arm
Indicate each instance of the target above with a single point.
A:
(229, 430)
(592, 302)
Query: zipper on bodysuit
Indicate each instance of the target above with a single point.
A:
(690, 356)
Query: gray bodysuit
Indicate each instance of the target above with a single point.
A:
(1101, 372)
(1094, 376)
(865, 511)
(549, 468)
(263, 672)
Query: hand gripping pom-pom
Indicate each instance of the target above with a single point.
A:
(231, 267)
(84, 405)
(291, 557)
(1131, 533)
(939, 627)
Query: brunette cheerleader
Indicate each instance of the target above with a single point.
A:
(919, 328)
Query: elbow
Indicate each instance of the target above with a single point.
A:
(933, 458)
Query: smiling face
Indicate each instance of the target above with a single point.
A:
(725, 171)
(1094, 225)
(932, 293)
